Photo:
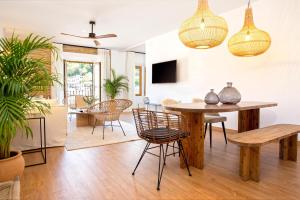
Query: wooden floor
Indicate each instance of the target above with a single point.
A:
(104, 173)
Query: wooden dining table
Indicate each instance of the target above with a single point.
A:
(248, 119)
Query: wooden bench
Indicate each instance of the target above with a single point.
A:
(251, 141)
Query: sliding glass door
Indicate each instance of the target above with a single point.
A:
(81, 79)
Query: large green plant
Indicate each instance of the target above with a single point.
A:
(21, 78)
(116, 85)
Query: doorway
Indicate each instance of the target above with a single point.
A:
(81, 79)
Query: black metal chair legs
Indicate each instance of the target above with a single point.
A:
(210, 135)
(224, 131)
(121, 127)
(163, 153)
(161, 166)
(103, 130)
(111, 125)
(144, 152)
(181, 150)
(210, 132)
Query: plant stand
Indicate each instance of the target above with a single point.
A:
(43, 147)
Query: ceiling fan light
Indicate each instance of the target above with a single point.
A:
(250, 41)
(204, 29)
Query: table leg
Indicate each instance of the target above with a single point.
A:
(82, 120)
(288, 148)
(249, 163)
(248, 120)
(194, 145)
(45, 140)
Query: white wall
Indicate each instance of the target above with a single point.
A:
(118, 63)
(273, 76)
(1, 32)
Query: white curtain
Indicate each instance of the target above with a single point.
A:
(57, 68)
(130, 67)
(96, 77)
(105, 59)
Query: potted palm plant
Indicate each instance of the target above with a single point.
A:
(21, 78)
(113, 87)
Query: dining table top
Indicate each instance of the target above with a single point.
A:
(204, 108)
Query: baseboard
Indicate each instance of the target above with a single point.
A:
(228, 130)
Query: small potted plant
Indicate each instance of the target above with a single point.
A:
(113, 87)
(21, 78)
(89, 100)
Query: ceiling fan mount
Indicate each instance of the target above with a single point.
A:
(92, 35)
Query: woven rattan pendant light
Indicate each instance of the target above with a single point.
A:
(250, 41)
(204, 29)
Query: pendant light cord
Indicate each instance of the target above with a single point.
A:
(249, 2)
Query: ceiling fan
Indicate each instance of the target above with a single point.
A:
(93, 35)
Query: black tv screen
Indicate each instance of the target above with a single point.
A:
(164, 72)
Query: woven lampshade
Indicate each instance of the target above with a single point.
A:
(204, 29)
(250, 41)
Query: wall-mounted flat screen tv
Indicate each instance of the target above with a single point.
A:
(164, 72)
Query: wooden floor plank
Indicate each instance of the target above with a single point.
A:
(105, 173)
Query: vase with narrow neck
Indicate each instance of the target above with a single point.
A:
(204, 29)
(250, 41)
(230, 95)
(211, 98)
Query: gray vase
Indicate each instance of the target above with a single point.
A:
(211, 98)
(230, 95)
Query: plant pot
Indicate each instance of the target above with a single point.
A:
(12, 167)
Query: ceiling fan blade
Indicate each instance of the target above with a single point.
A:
(73, 35)
(106, 36)
(97, 43)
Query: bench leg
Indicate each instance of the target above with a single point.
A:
(250, 163)
(288, 148)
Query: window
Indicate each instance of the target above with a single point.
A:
(138, 81)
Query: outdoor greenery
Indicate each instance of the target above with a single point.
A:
(118, 83)
(75, 68)
(21, 78)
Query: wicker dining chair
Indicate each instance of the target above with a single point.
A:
(109, 111)
(160, 129)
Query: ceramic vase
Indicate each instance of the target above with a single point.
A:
(230, 95)
(211, 98)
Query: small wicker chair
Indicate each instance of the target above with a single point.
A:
(160, 128)
(109, 111)
(210, 119)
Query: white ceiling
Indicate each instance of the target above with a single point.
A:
(134, 21)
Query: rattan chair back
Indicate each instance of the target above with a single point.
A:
(110, 110)
(159, 127)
